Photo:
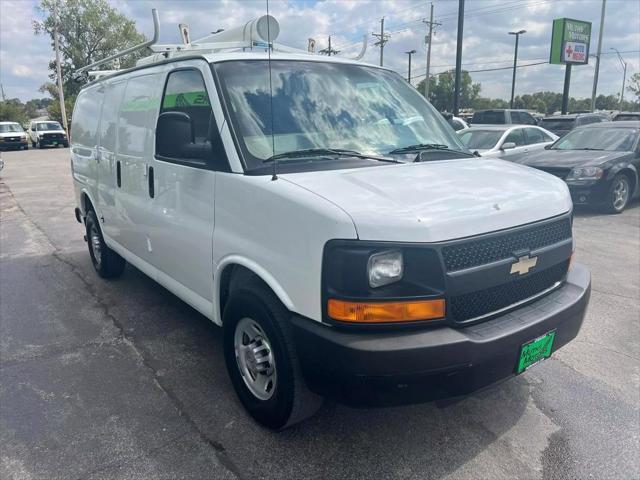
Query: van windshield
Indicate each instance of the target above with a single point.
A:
(323, 105)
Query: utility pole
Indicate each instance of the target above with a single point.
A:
(595, 75)
(63, 111)
(515, 65)
(456, 90)
(410, 53)
(2, 89)
(431, 24)
(382, 39)
(329, 51)
(624, 74)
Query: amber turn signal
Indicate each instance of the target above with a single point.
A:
(383, 312)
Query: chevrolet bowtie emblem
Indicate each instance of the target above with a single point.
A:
(524, 264)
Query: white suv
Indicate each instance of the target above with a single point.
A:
(329, 219)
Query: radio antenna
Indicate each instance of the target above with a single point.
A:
(274, 176)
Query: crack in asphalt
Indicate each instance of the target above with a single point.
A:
(218, 448)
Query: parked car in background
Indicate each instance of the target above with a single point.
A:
(504, 141)
(12, 136)
(561, 124)
(623, 116)
(503, 116)
(456, 122)
(599, 162)
(47, 133)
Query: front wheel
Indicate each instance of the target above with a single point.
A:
(262, 361)
(107, 263)
(618, 195)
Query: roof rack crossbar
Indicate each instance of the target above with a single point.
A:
(135, 48)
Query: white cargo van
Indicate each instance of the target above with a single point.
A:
(329, 219)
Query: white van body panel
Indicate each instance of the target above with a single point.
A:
(278, 230)
(441, 200)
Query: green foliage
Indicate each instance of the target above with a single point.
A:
(634, 87)
(13, 110)
(88, 30)
(441, 89)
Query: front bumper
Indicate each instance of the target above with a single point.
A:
(13, 145)
(44, 142)
(411, 366)
(594, 194)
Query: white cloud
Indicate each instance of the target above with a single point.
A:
(487, 44)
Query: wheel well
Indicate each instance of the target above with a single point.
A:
(632, 180)
(234, 276)
(86, 203)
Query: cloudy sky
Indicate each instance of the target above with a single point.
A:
(24, 56)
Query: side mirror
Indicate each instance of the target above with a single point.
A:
(508, 146)
(548, 147)
(174, 134)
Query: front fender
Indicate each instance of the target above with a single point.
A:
(254, 267)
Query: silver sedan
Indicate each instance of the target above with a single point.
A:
(506, 141)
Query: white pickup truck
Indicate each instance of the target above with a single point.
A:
(329, 220)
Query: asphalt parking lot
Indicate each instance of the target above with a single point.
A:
(120, 379)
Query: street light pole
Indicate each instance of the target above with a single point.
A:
(594, 90)
(515, 65)
(456, 87)
(63, 111)
(624, 74)
(410, 52)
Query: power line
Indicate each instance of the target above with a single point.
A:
(486, 69)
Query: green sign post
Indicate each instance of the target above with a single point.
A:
(569, 46)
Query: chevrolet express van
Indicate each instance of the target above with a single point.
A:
(328, 218)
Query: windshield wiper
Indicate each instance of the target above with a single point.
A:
(334, 152)
(590, 148)
(428, 146)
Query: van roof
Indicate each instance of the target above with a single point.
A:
(237, 55)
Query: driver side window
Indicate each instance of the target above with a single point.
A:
(516, 137)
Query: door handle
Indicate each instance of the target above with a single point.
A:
(118, 174)
(151, 183)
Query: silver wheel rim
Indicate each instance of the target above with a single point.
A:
(94, 243)
(254, 358)
(620, 194)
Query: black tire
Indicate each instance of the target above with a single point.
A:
(290, 401)
(65, 145)
(107, 263)
(618, 195)
(38, 144)
(33, 144)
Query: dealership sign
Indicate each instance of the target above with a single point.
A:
(570, 41)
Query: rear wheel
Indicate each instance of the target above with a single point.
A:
(618, 195)
(261, 358)
(107, 263)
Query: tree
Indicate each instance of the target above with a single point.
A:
(634, 86)
(88, 30)
(441, 90)
(12, 110)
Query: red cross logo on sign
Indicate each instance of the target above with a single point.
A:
(569, 51)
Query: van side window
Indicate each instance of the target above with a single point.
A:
(84, 130)
(135, 122)
(109, 122)
(186, 93)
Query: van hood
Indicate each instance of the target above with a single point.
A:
(40, 132)
(441, 200)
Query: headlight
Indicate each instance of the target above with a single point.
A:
(23, 137)
(385, 268)
(585, 173)
(40, 135)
